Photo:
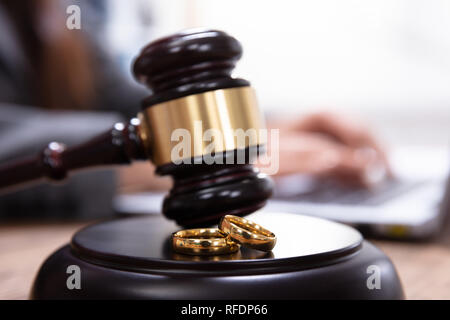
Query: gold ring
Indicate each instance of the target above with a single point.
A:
(248, 233)
(206, 241)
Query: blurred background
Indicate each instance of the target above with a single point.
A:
(385, 61)
(383, 64)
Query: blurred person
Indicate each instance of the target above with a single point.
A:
(53, 83)
(46, 68)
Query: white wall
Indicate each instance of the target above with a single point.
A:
(385, 60)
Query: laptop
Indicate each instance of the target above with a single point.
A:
(409, 206)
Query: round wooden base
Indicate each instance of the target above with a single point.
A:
(131, 258)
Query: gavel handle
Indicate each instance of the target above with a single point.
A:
(120, 145)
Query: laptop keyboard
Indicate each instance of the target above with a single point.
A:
(332, 192)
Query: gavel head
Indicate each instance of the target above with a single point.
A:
(202, 127)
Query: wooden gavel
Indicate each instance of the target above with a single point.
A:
(190, 77)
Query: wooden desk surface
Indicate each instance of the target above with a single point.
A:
(424, 268)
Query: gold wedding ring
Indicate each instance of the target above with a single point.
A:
(233, 231)
(247, 233)
(205, 241)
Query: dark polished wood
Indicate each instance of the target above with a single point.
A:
(183, 64)
(214, 191)
(120, 145)
(20, 259)
(132, 258)
(189, 63)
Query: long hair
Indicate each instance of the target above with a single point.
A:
(62, 76)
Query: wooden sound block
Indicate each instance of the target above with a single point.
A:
(132, 258)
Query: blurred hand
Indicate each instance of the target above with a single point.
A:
(140, 176)
(329, 145)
